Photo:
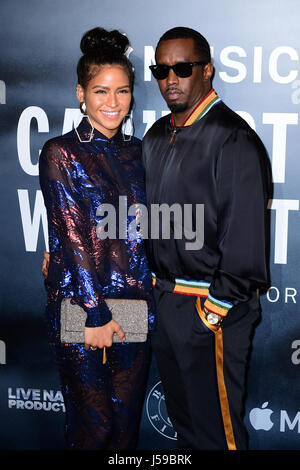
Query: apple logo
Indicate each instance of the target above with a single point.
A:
(260, 418)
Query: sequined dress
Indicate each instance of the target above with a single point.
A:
(103, 401)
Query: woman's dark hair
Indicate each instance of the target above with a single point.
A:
(180, 32)
(101, 47)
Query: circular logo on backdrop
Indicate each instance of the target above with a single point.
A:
(157, 412)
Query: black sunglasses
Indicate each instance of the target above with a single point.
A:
(181, 69)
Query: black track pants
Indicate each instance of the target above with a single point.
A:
(203, 371)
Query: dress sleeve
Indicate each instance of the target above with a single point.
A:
(244, 187)
(72, 269)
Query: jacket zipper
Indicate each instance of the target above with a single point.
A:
(173, 134)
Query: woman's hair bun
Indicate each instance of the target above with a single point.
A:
(102, 41)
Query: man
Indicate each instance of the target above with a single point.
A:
(207, 303)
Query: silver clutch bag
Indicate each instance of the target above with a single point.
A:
(132, 316)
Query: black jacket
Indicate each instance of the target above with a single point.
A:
(218, 161)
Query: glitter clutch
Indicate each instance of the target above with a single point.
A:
(132, 316)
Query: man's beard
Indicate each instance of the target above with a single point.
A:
(176, 108)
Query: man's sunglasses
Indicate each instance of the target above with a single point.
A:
(181, 69)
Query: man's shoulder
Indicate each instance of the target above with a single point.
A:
(157, 127)
(238, 138)
(231, 127)
(232, 119)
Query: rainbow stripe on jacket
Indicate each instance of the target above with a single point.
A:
(200, 289)
(209, 100)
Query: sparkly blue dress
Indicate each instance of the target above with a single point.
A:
(103, 401)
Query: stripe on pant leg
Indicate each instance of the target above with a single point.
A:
(220, 378)
(222, 391)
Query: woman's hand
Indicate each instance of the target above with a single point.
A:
(102, 336)
(45, 264)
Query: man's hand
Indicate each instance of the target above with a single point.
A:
(212, 318)
(101, 336)
(45, 264)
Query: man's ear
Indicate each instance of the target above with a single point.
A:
(208, 71)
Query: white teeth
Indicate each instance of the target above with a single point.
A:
(114, 113)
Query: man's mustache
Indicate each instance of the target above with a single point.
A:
(173, 90)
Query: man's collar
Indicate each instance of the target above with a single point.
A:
(201, 109)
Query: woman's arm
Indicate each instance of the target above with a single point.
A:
(45, 264)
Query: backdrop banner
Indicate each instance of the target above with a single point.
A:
(255, 46)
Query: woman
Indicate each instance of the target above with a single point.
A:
(92, 165)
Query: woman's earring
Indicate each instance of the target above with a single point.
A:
(127, 136)
(83, 110)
